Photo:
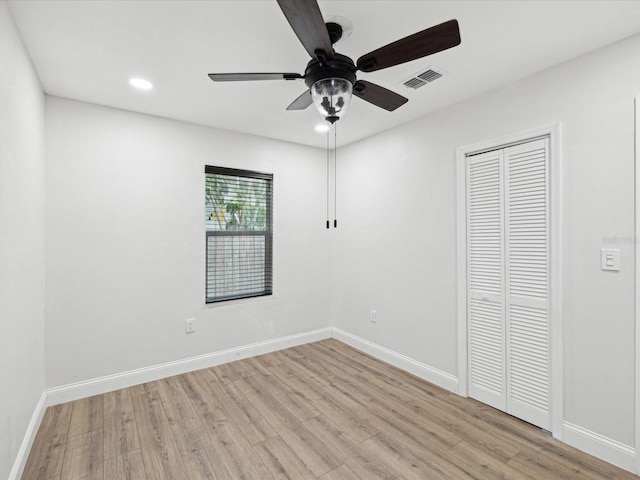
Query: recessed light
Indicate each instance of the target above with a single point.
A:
(322, 128)
(141, 83)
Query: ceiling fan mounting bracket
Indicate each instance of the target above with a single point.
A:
(340, 66)
(335, 31)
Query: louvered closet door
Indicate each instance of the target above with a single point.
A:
(507, 284)
(527, 285)
(485, 283)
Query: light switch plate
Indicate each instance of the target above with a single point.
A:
(610, 259)
(190, 325)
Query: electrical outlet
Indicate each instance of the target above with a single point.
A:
(374, 316)
(190, 325)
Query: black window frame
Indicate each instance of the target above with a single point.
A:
(267, 234)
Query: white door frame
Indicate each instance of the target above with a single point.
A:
(636, 193)
(555, 261)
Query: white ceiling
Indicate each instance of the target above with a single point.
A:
(87, 50)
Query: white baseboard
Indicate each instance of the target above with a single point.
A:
(426, 372)
(600, 446)
(590, 442)
(109, 383)
(29, 437)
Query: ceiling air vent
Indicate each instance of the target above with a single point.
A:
(422, 78)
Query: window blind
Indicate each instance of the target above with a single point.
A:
(239, 233)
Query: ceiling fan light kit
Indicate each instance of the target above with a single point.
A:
(331, 97)
(331, 84)
(331, 77)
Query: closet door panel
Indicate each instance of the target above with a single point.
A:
(529, 365)
(485, 267)
(527, 273)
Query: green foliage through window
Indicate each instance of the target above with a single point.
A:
(236, 203)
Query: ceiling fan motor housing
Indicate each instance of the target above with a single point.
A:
(340, 66)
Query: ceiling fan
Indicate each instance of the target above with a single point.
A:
(331, 77)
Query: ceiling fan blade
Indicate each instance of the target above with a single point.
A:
(302, 102)
(243, 77)
(305, 18)
(427, 42)
(379, 96)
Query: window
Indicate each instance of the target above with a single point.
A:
(239, 233)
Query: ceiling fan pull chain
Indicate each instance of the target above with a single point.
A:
(328, 175)
(335, 175)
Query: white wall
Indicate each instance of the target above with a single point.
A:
(125, 241)
(395, 251)
(125, 235)
(22, 213)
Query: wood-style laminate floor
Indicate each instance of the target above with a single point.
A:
(318, 411)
